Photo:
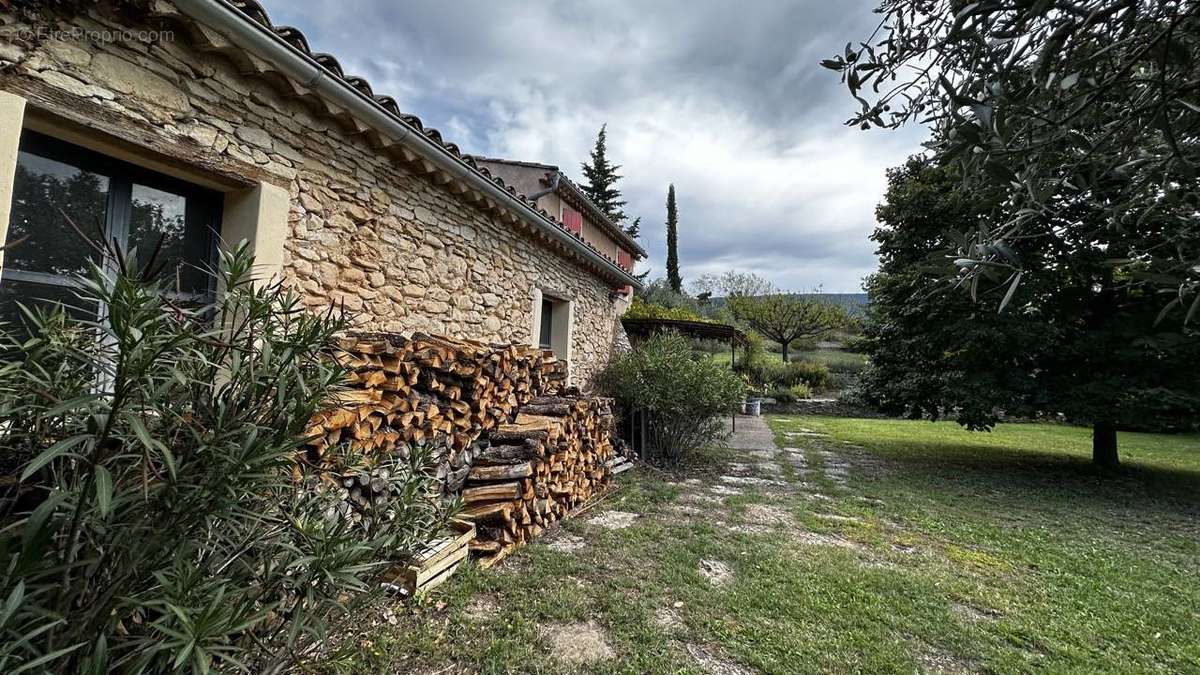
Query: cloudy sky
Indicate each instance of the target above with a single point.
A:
(724, 99)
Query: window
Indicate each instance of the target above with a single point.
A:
(625, 259)
(125, 204)
(546, 334)
(572, 220)
(553, 316)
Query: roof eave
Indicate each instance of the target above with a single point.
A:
(622, 237)
(246, 33)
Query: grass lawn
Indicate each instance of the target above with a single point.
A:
(874, 546)
(837, 360)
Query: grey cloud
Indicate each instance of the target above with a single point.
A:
(725, 99)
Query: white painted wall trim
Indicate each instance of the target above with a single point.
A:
(562, 333)
(258, 215)
(562, 326)
(535, 328)
(12, 117)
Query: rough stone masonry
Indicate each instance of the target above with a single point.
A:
(398, 251)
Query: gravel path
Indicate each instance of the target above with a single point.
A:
(752, 434)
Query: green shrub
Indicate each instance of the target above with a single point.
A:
(156, 526)
(641, 309)
(683, 395)
(856, 344)
(766, 373)
(790, 394)
(754, 370)
(814, 375)
(659, 292)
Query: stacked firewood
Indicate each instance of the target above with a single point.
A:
(427, 389)
(553, 457)
(521, 447)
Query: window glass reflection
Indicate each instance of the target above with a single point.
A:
(43, 190)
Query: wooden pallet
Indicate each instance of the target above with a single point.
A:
(435, 563)
(619, 465)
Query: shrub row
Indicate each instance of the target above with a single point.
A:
(764, 373)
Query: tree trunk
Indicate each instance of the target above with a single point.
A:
(784, 345)
(1104, 445)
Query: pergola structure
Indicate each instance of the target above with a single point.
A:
(700, 330)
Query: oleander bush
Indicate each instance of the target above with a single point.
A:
(684, 395)
(154, 518)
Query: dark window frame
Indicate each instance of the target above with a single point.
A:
(546, 329)
(202, 211)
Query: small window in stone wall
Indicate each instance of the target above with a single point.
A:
(552, 323)
(545, 337)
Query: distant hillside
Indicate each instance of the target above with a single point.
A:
(854, 303)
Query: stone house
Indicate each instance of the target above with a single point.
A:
(201, 123)
(551, 190)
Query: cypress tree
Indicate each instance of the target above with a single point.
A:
(635, 229)
(673, 277)
(602, 177)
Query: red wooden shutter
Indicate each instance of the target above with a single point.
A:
(573, 220)
(624, 259)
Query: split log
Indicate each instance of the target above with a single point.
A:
(501, 472)
(508, 454)
(488, 493)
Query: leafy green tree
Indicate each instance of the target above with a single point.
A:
(734, 283)
(673, 278)
(1078, 340)
(786, 317)
(602, 177)
(1057, 106)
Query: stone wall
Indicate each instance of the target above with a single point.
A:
(399, 252)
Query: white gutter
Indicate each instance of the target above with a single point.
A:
(264, 43)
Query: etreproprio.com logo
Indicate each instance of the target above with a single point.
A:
(76, 34)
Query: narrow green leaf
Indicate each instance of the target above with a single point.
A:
(104, 490)
(1166, 310)
(169, 460)
(139, 429)
(1012, 288)
(13, 601)
(47, 658)
(49, 454)
(1191, 314)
